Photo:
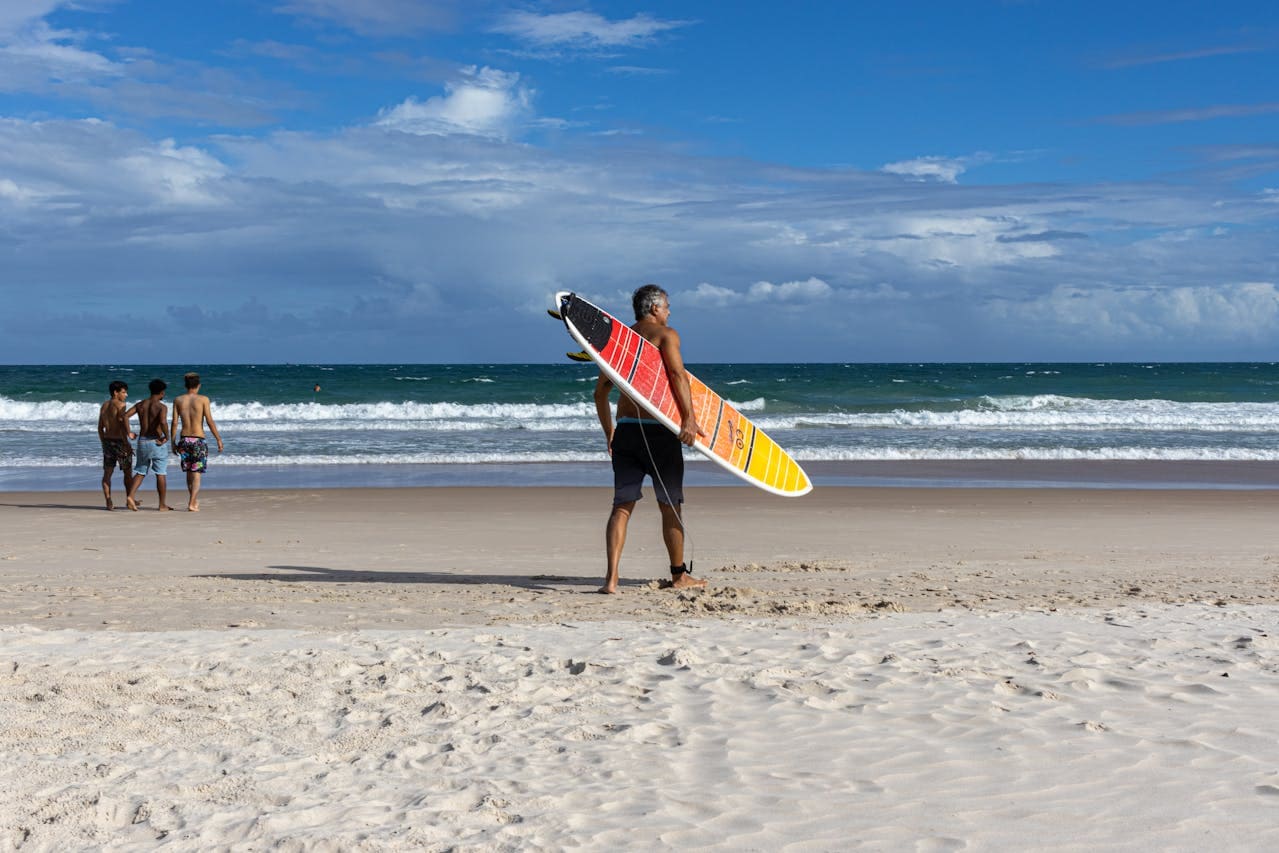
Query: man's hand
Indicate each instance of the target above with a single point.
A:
(689, 431)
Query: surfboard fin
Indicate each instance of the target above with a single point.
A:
(554, 313)
(578, 356)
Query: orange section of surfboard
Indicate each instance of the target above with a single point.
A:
(635, 366)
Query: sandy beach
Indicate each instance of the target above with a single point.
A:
(431, 669)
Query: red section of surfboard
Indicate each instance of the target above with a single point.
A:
(641, 365)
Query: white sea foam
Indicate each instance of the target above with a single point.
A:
(59, 433)
(1051, 412)
(347, 459)
(1051, 454)
(20, 414)
(812, 454)
(16, 412)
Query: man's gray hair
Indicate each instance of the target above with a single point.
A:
(646, 299)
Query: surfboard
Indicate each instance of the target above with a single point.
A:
(635, 366)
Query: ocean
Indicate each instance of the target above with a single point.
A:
(503, 424)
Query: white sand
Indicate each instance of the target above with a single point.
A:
(429, 669)
(1136, 728)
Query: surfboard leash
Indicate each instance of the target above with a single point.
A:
(679, 508)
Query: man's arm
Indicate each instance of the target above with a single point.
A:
(161, 431)
(603, 410)
(678, 378)
(128, 414)
(208, 419)
(173, 429)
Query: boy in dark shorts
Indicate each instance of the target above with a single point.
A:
(113, 433)
(643, 447)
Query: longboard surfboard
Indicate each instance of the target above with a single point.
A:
(635, 366)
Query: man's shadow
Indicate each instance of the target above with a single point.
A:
(319, 574)
(97, 508)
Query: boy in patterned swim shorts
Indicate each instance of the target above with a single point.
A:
(113, 432)
(194, 411)
(194, 454)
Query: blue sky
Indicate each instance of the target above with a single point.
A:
(388, 180)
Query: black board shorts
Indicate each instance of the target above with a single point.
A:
(662, 458)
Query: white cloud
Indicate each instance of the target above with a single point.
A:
(65, 168)
(16, 15)
(809, 290)
(712, 295)
(486, 102)
(311, 223)
(585, 30)
(34, 56)
(37, 59)
(963, 240)
(380, 17)
(175, 174)
(944, 169)
(1223, 313)
(1208, 113)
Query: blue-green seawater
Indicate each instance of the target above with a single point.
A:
(390, 424)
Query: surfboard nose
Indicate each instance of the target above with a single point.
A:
(593, 324)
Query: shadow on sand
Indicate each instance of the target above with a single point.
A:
(320, 574)
(92, 507)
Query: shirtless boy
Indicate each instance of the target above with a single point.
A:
(641, 446)
(113, 432)
(193, 410)
(153, 435)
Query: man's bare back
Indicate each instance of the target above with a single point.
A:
(151, 419)
(111, 421)
(191, 410)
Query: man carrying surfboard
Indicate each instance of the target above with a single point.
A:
(641, 446)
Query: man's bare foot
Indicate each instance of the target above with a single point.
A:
(164, 508)
(110, 506)
(193, 507)
(687, 581)
(607, 590)
(131, 504)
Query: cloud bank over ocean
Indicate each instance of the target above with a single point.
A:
(216, 208)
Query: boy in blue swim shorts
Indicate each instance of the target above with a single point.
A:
(153, 440)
